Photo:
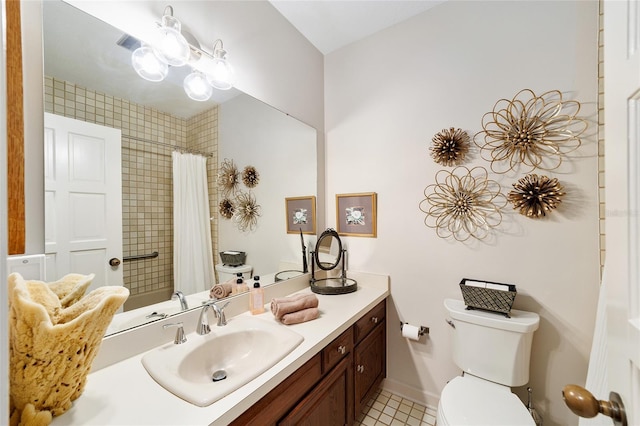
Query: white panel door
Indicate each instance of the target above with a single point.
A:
(622, 164)
(83, 200)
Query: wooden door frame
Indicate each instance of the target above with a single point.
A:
(15, 131)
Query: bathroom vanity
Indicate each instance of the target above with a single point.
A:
(322, 390)
(335, 369)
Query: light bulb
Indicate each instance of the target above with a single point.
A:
(148, 65)
(220, 74)
(171, 44)
(196, 87)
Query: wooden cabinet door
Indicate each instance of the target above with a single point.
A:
(330, 402)
(369, 365)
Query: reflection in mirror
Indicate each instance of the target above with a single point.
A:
(328, 250)
(89, 78)
(327, 255)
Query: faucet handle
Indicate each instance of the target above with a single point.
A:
(219, 311)
(180, 337)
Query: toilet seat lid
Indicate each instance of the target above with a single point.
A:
(468, 400)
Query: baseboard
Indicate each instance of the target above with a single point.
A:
(416, 395)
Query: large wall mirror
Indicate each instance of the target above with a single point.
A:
(89, 78)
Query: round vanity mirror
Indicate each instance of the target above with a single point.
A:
(327, 256)
(328, 250)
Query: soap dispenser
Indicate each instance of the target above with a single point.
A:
(256, 297)
(241, 286)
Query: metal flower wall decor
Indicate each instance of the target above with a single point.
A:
(463, 204)
(535, 196)
(247, 211)
(226, 208)
(530, 130)
(228, 177)
(250, 177)
(449, 146)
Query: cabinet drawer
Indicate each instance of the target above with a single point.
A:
(337, 349)
(369, 321)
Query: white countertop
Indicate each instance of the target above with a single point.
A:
(124, 394)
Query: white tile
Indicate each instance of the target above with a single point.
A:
(412, 421)
(390, 411)
(385, 418)
(368, 421)
(419, 407)
(404, 408)
(401, 416)
(373, 413)
(428, 418)
(393, 403)
(416, 413)
(378, 406)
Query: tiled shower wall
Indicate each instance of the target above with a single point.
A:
(147, 193)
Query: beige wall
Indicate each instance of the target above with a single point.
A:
(386, 97)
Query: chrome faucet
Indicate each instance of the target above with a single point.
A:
(183, 302)
(180, 337)
(203, 322)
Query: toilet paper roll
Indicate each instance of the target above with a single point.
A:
(410, 331)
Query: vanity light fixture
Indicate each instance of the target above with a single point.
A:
(221, 72)
(172, 48)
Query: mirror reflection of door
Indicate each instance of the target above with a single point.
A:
(83, 200)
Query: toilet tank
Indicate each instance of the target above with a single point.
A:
(492, 346)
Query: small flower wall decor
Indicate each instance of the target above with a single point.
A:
(463, 204)
(535, 196)
(247, 211)
(226, 208)
(531, 131)
(250, 177)
(449, 147)
(228, 177)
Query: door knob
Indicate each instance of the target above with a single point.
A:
(584, 404)
(114, 261)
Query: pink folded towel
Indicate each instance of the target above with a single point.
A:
(220, 291)
(286, 305)
(300, 316)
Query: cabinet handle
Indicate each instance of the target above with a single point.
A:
(342, 349)
(374, 320)
(360, 368)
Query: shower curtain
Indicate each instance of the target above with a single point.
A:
(597, 382)
(192, 249)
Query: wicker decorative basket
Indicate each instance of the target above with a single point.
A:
(488, 296)
(233, 258)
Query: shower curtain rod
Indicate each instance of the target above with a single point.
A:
(168, 145)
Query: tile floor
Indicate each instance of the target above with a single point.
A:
(387, 409)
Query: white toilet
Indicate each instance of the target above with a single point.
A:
(493, 352)
(226, 272)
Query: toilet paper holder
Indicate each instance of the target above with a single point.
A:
(421, 332)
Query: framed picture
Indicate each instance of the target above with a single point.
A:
(301, 214)
(356, 214)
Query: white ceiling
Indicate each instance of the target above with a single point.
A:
(332, 24)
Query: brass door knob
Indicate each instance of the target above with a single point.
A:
(114, 261)
(584, 404)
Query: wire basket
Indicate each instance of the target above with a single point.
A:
(233, 258)
(488, 296)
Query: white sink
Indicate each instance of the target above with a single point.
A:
(244, 348)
